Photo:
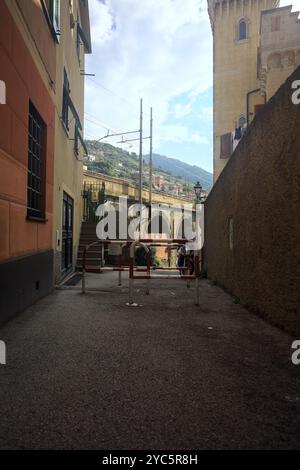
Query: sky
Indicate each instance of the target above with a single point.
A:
(161, 51)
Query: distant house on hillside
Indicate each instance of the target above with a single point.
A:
(89, 158)
(159, 181)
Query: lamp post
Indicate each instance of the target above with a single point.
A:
(198, 191)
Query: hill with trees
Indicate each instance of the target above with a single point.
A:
(169, 174)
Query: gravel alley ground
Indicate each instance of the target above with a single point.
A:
(89, 372)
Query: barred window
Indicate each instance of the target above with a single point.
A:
(36, 164)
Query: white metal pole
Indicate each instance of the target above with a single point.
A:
(141, 155)
(150, 158)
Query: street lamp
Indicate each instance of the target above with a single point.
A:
(198, 190)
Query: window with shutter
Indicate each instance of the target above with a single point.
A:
(55, 15)
(226, 145)
(51, 9)
(275, 23)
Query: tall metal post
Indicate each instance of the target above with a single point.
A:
(141, 156)
(150, 159)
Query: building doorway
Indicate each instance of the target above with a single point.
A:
(67, 234)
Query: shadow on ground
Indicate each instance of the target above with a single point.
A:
(89, 372)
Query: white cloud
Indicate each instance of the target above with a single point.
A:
(103, 20)
(206, 113)
(177, 133)
(182, 110)
(155, 49)
(199, 139)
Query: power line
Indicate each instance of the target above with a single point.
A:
(99, 123)
(111, 92)
(109, 129)
(87, 134)
(108, 90)
(122, 133)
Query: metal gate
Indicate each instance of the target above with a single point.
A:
(93, 195)
(67, 233)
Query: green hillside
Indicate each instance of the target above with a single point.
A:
(113, 161)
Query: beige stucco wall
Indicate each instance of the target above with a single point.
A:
(68, 170)
(235, 65)
(28, 15)
(279, 47)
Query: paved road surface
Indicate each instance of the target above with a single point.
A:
(88, 372)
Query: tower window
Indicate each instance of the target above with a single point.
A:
(242, 30)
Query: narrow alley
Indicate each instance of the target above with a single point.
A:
(89, 372)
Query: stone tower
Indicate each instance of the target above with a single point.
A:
(236, 38)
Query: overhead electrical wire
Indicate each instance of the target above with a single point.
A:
(99, 123)
(112, 92)
(106, 127)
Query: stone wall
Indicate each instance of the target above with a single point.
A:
(252, 215)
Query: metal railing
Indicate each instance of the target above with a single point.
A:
(135, 270)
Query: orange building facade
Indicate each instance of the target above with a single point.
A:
(27, 123)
